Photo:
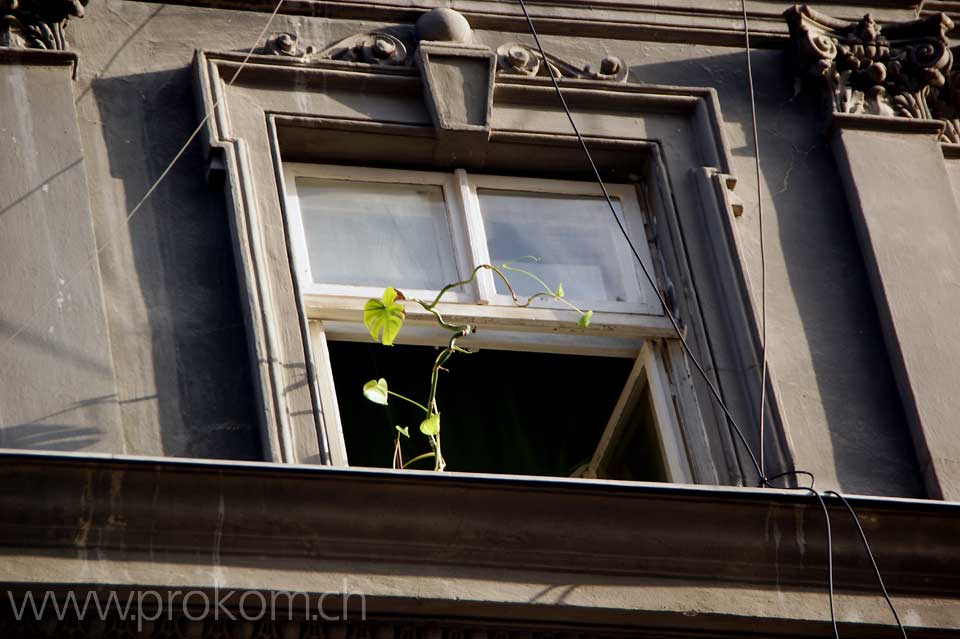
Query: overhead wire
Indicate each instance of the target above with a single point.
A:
(758, 464)
(646, 271)
(763, 261)
(150, 191)
(763, 479)
(873, 561)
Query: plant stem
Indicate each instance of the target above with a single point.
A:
(459, 331)
(407, 399)
(418, 458)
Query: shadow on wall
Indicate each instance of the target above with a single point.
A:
(42, 435)
(855, 395)
(172, 294)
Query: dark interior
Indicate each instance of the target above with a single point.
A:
(502, 411)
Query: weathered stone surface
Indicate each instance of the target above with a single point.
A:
(910, 239)
(178, 399)
(56, 366)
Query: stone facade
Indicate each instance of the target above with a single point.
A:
(161, 420)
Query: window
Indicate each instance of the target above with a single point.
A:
(545, 398)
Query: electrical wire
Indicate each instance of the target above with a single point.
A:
(876, 569)
(763, 262)
(646, 271)
(763, 479)
(150, 191)
(826, 521)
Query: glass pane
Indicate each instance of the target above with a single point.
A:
(375, 234)
(574, 237)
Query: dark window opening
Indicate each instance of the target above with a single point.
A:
(502, 411)
(634, 455)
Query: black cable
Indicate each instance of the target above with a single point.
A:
(813, 480)
(763, 479)
(876, 569)
(763, 263)
(666, 307)
(826, 520)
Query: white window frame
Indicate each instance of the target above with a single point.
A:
(334, 312)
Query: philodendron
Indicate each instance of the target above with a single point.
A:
(384, 317)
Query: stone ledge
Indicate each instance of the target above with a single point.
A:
(54, 503)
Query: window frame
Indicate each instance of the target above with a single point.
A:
(672, 137)
(468, 234)
(512, 331)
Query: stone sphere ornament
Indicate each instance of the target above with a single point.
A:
(444, 25)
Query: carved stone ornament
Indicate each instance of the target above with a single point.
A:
(37, 24)
(390, 47)
(519, 59)
(396, 46)
(896, 70)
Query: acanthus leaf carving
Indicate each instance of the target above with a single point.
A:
(896, 70)
(37, 24)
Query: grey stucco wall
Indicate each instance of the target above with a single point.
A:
(168, 277)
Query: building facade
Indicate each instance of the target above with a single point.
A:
(197, 201)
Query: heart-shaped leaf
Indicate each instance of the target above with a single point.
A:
(376, 391)
(383, 317)
(431, 425)
(585, 318)
(405, 431)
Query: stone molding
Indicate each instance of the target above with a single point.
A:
(682, 21)
(37, 24)
(900, 70)
(112, 505)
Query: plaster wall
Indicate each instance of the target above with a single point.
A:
(168, 277)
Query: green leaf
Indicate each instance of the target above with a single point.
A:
(431, 425)
(383, 317)
(585, 318)
(405, 431)
(376, 391)
(559, 290)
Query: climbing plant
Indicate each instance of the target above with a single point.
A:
(384, 318)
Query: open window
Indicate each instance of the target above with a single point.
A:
(543, 397)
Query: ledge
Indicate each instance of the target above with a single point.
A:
(39, 57)
(890, 124)
(719, 534)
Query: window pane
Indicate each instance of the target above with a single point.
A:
(574, 237)
(374, 234)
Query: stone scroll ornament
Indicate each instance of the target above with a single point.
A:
(396, 46)
(519, 59)
(37, 24)
(897, 70)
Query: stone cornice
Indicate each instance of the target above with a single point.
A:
(64, 504)
(896, 70)
(686, 21)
